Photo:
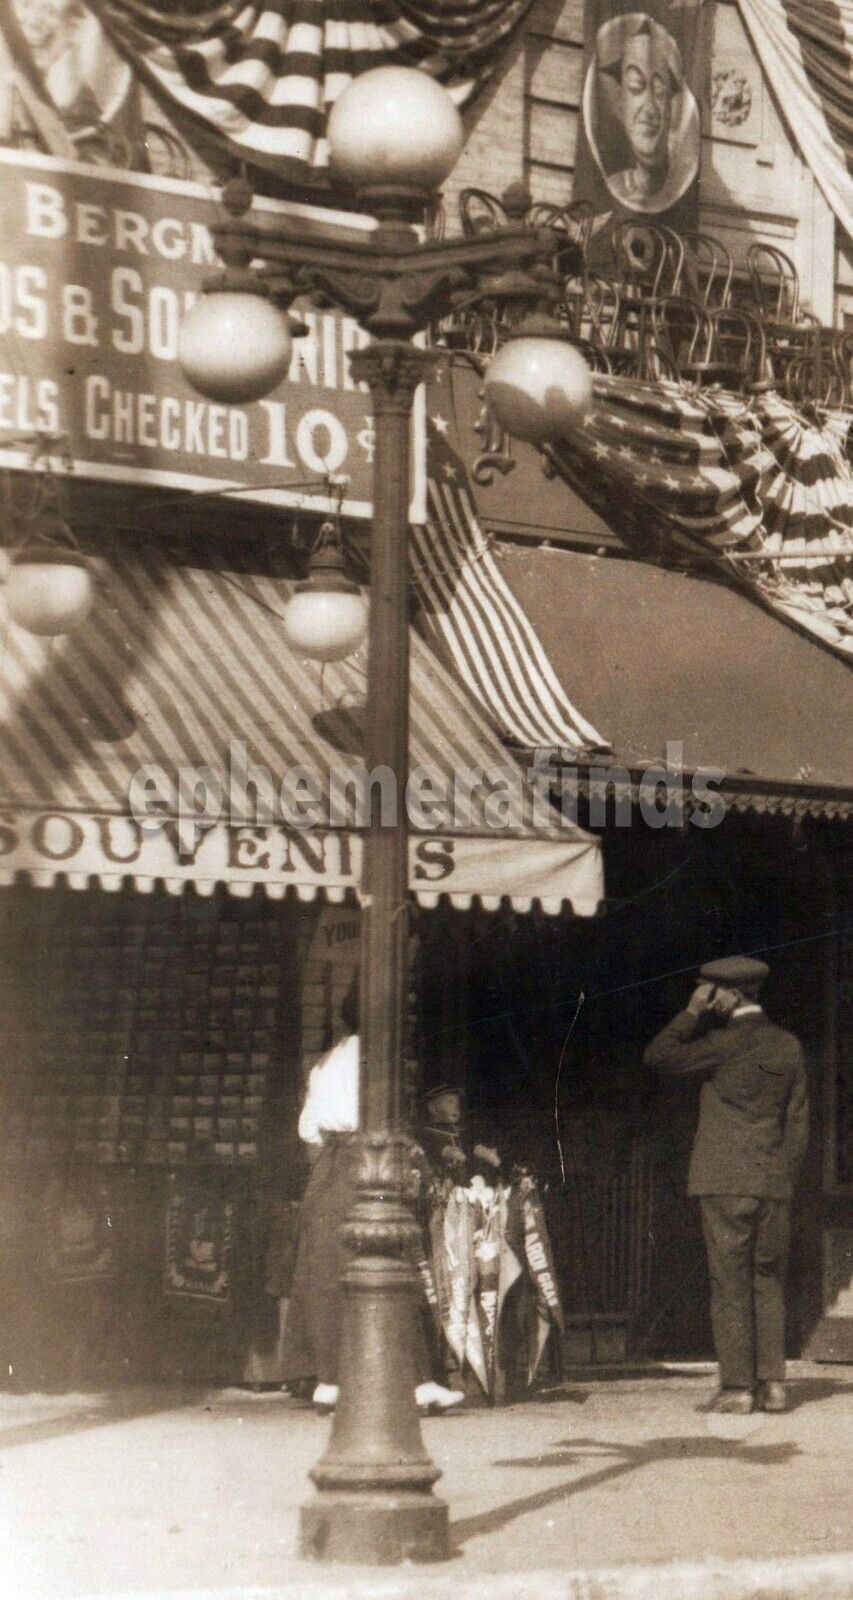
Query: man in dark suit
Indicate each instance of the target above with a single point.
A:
(749, 1145)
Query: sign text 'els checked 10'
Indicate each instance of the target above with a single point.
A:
(97, 270)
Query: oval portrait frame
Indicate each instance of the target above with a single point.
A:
(684, 142)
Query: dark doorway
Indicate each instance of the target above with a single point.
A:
(549, 1036)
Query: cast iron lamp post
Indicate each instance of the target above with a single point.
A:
(394, 136)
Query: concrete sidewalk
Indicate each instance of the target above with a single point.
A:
(598, 1491)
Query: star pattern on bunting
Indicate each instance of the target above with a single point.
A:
(758, 488)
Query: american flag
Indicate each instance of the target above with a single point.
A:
(753, 485)
(262, 74)
(469, 612)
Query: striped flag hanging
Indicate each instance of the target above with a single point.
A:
(471, 614)
(262, 74)
(756, 485)
(806, 50)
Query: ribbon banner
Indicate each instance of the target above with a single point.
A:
(540, 1263)
(487, 1243)
(457, 1280)
(510, 1273)
(640, 134)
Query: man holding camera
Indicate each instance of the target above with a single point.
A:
(747, 1153)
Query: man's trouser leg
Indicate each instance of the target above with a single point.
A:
(770, 1262)
(728, 1222)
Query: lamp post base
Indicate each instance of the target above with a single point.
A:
(374, 1529)
(374, 1501)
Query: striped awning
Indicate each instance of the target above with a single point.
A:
(181, 696)
(691, 676)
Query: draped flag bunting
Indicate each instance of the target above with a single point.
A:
(471, 614)
(639, 136)
(262, 74)
(763, 490)
(806, 50)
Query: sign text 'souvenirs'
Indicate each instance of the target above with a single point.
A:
(109, 846)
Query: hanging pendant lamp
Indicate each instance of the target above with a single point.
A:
(325, 618)
(49, 587)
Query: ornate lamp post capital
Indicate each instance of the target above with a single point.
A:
(392, 369)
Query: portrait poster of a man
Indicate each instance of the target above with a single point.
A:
(640, 125)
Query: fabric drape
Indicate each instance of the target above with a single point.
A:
(806, 49)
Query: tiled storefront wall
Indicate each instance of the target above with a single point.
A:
(149, 1164)
(147, 1030)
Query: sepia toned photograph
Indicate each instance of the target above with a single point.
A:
(426, 800)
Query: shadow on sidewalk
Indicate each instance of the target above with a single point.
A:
(626, 1458)
(94, 1411)
(810, 1391)
(564, 1394)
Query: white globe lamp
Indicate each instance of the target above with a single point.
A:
(325, 618)
(538, 388)
(235, 346)
(48, 590)
(394, 127)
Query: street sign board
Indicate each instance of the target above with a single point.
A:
(97, 269)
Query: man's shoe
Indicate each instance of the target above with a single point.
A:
(325, 1398)
(433, 1397)
(772, 1396)
(739, 1402)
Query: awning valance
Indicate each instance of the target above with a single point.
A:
(104, 850)
(181, 680)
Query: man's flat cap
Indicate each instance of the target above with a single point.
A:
(735, 970)
(431, 1090)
